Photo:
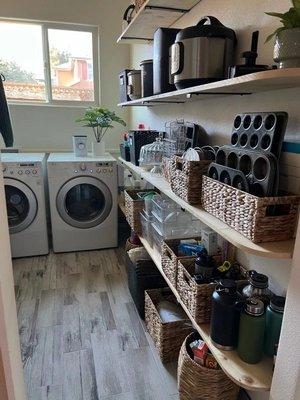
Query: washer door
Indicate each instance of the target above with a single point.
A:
(84, 202)
(21, 205)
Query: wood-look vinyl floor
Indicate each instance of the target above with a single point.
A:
(81, 336)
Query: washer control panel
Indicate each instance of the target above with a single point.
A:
(105, 168)
(22, 169)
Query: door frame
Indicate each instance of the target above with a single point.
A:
(11, 370)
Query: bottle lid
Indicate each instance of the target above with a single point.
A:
(259, 280)
(254, 307)
(277, 304)
(227, 286)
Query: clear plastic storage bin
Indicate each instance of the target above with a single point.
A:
(176, 221)
(146, 227)
(176, 232)
(163, 208)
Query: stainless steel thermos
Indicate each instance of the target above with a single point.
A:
(225, 315)
(274, 316)
(252, 331)
(258, 287)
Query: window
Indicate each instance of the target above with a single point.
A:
(49, 63)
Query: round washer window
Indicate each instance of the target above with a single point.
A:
(84, 202)
(17, 205)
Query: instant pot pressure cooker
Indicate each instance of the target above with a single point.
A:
(202, 53)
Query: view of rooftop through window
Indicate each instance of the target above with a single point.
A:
(70, 66)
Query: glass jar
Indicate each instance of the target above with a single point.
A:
(258, 287)
(151, 156)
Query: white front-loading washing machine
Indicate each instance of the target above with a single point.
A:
(24, 177)
(83, 195)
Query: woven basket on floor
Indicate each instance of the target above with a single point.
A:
(170, 258)
(167, 337)
(197, 298)
(248, 214)
(131, 246)
(196, 382)
(133, 207)
(186, 178)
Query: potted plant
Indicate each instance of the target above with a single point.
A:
(287, 45)
(100, 120)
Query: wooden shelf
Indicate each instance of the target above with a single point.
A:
(272, 250)
(154, 14)
(244, 85)
(256, 377)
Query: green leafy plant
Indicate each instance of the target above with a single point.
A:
(289, 20)
(100, 120)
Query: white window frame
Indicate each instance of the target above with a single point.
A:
(45, 26)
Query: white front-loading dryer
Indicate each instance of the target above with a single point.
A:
(24, 177)
(83, 194)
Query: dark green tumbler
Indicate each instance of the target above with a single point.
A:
(252, 331)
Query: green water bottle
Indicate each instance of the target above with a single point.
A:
(274, 315)
(251, 331)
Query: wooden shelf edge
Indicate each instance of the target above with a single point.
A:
(273, 250)
(243, 85)
(129, 37)
(256, 377)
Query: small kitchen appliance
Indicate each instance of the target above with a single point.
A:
(134, 86)
(202, 53)
(123, 82)
(164, 38)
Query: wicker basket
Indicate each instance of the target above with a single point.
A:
(186, 178)
(167, 337)
(133, 207)
(250, 215)
(170, 258)
(166, 168)
(197, 382)
(139, 4)
(131, 246)
(198, 298)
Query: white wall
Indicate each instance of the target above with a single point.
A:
(286, 380)
(216, 115)
(49, 128)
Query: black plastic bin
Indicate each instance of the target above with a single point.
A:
(142, 275)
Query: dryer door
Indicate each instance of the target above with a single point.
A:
(84, 202)
(21, 205)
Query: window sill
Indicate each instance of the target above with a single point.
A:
(52, 105)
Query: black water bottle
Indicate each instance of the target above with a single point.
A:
(204, 265)
(225, 315)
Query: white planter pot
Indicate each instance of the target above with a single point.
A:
(98, 148)
(287, 48)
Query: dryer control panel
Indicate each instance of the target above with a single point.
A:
(105, 168)
(20, 169)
